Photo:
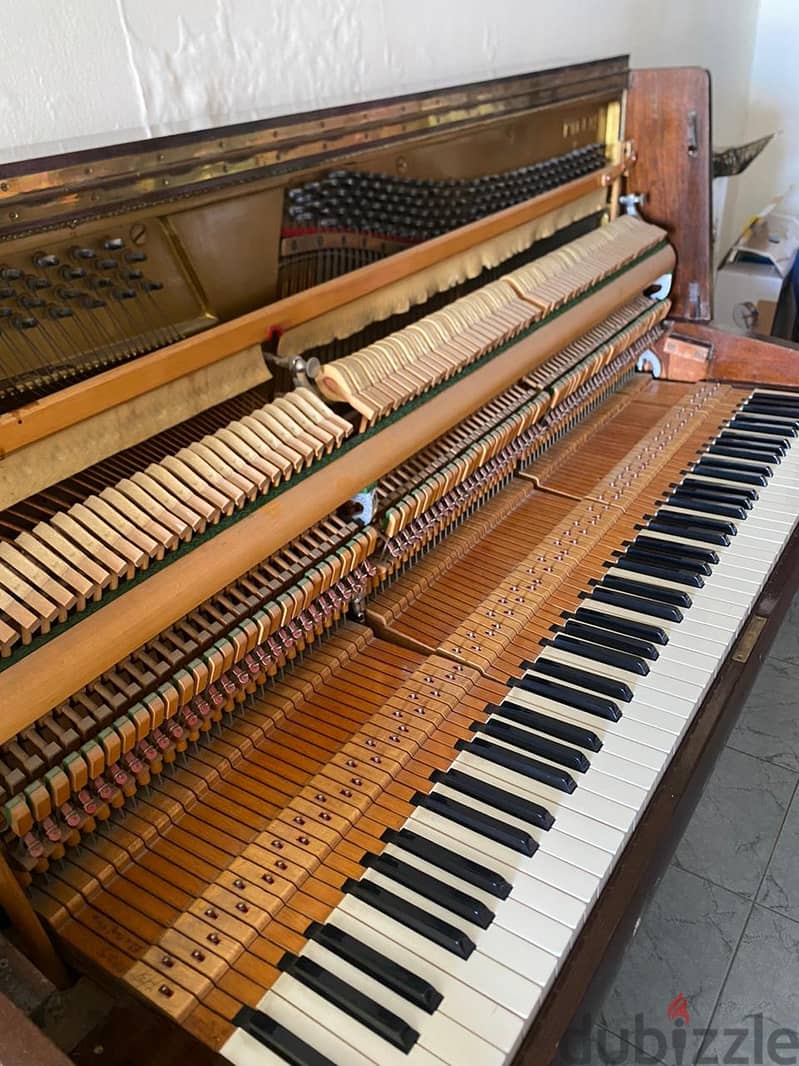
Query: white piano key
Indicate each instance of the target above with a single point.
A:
(244, 1050)
(497, 983)
(564, 909)
(461, 1003)
(550, 871)
(594, 781)
(507, 948)
(300, 1020)
(586, 856)
(323, 1015)
(606, 828)
(627, 737)
(438, 1034)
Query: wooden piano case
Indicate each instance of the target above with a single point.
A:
(237, 290)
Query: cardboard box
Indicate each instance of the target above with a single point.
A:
(750, 280)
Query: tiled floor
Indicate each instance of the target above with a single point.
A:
(722, 926)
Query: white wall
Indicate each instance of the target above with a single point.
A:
(773, 106)
(89, 67)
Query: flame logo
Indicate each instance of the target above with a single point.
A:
(678, 1008)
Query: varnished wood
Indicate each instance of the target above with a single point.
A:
(78, 402)
(35, 941)
(93, 645)
(745, 358)
(668, 118)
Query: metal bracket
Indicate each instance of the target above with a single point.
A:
(363, 506)
(660, 287)
(303, 371)
(631, 201)
(649, 361)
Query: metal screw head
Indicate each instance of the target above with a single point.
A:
(138, 233)
(402, 165)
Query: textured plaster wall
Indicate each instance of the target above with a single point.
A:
(94, 67)
(102, 69)
(773, 106)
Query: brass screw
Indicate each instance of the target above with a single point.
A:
(138, 233)
(402, 165)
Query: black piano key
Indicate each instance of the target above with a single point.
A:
(706, 490)
(573, 675)
(726, 473)
(485, 824)
(544, 746)
(667, 555)
(545, 723)
(709, 523)
(452, 899)
(707, 506)
(474, 873)
(572, 697)
(676, 528)
(610, 656)
(741, 453)
(493, 796)
(636, 603)
(499, 755)
(690, 551)
(600, 635)
(279, 1040)
(503, 730)
(776, 410)
(769, 429)
(752, 445)
(641, 566)
(648, 590)
(408, 914)
(709, 459)
(626, 626)
(362, 1008)
(377, 966)
(737, 492)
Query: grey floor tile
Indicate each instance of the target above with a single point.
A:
(588, 1044)
(786, 643)
(780, 888)
(735, 825)
(761, 994)
(684, 944)
(769, 725)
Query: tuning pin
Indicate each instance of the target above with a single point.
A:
(10, 273)
(43, 260)
(34, 282)
(113, 244)
(78, 252)
(70, 273)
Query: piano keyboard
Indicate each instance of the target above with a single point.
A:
(389, 852)
(442, 949)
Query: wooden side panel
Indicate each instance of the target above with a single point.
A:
(740, 357)
(668, 118)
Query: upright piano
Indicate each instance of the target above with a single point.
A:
(386, 540)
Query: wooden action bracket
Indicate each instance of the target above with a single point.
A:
(668, 118)
(692, 352)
